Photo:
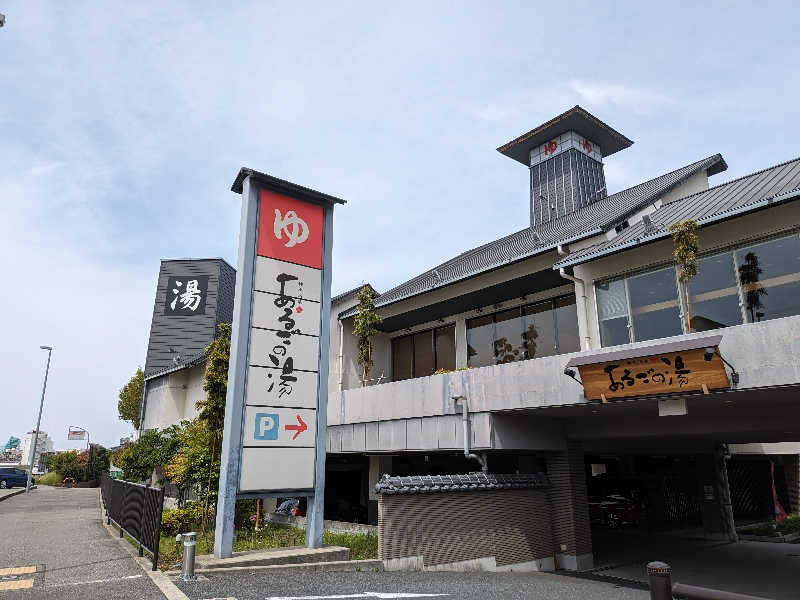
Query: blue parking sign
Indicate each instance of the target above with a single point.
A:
(266, 426)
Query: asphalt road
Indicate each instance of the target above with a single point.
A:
(60, 533)
(288, 585)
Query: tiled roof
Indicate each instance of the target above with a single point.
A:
(472, 482)
(586, 222)
(350, 293)
(183, 363)
(720, 202)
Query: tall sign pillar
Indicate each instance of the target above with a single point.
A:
(276, 407)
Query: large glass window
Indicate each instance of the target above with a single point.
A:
(508, 336)
(751, 284)
(541, 329)
(654, 304)
(421, 354)
(612, 312)
(714, 295)
(770, 278)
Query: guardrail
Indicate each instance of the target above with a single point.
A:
(659, 575)
(136, 509)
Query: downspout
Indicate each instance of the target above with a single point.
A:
(584, 321)
(341, 355)
(465, 424)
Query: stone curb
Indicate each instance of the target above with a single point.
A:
(12, 494)
(337, 565)
(161, 580)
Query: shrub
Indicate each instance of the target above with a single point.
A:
(50, 478)
(181, 520)
(790, 525)
(74, 470)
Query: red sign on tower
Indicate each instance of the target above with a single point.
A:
(290, 229)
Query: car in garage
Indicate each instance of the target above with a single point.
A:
(614, 510)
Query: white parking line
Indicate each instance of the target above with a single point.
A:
(95, 581)
(380, 595)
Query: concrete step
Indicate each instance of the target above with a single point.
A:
(274, 556)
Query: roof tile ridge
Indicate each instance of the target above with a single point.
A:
(753, 174)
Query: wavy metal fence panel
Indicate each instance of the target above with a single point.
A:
(136, 509)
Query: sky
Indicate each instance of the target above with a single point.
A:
(123, 125)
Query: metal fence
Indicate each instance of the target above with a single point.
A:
(136, 509)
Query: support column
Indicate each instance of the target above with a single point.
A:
(461, 342)
(379, 465)
(724, 493)
(569, 506)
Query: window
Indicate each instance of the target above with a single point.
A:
(655, 309)
(420, 354)
(714, 295)
(541, 329)
(751, 284)
(612, 312)
(770, 277)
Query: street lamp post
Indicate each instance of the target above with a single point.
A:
(38, 420)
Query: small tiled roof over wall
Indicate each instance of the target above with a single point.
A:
(471, 482)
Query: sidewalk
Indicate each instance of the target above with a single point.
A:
(55, 541)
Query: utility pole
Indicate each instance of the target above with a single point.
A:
(38, 420)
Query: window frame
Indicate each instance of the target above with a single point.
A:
(551, 301)
(432, 331)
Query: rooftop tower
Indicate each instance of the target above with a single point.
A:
(565, 158)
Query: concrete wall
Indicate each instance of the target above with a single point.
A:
(172, 399)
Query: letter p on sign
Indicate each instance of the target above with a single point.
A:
(266, 426)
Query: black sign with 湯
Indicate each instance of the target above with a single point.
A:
(186, 296)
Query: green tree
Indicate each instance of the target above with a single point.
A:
(130, 399)
(57, 461)
(684, 237)
(218, 353)
(189, 468)
(365, 328)
(153, 449)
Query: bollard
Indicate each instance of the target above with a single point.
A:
(189, 547)
(659, 574)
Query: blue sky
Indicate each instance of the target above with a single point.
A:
(122, 127)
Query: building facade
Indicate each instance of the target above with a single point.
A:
(575, 350)
(193, 296)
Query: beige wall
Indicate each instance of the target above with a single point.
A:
(174, 402)
(712, 238)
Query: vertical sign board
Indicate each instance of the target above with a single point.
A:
(279, 427)
(276, 407)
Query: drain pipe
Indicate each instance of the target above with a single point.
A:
(341, 355)
(465, 423)
(583, 302)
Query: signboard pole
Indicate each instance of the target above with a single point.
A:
(237, 375)
(316, 503)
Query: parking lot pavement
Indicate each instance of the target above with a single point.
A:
(771, 570)
(9, 492)
(54, 545)
(296, 585)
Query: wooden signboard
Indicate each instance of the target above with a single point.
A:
(665, 373)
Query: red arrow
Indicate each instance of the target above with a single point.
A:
(298, 429)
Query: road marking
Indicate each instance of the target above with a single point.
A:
(19, 584)
(382, 595)
(17, 571)
(112, 579)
